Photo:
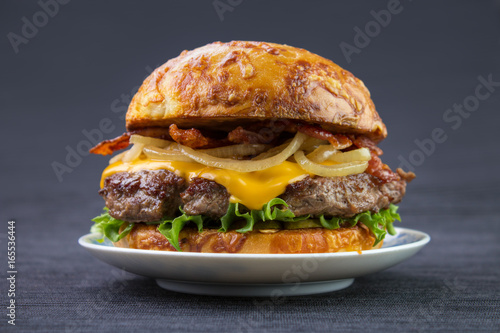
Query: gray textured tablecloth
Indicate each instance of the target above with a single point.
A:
(68, 77)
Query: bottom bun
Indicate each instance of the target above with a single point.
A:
(314, 240)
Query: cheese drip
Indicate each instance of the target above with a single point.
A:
(252, 189)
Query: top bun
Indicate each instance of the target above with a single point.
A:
(221, 85)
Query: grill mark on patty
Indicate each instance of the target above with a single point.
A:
(144, 196)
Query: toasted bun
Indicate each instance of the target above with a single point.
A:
(222, 85)
(317, 240)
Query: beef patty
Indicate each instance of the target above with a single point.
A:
(151, 195)
(205, 197)
(342, 196)
(144, 196)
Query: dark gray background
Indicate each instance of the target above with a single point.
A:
(66, 78)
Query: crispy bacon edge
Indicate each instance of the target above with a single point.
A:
(108, 147)
(339, 141)
(193, 138)
(362, 141)
(375, 166)
(380, 170)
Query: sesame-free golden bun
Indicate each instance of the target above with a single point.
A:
(222, 85)
(313, 240)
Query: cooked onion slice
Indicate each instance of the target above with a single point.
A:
(235, 150)
(148, 141)
(249, 165)
(312, 143)
(165, 154)
(133, 153)
(322, 153)
(272, 152)
(361, 154)
(343, 169)
(328, 152)
(118, 157)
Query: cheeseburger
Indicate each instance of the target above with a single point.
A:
(250, 147)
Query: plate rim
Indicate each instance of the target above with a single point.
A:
(425, 239)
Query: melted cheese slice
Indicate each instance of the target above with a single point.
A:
(252, 189)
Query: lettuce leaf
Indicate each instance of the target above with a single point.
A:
(172, 228)
(380, 223)
(390, 215)
(109, 227)
(269, 212)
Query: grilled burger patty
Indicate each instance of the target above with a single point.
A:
(144, 196)
(151, 195)
(342, 196)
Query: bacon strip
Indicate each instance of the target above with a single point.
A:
(362, 141)
(339, 141)
(406, 176)
(375, 166)
(380, 170)
(108, 147)
(193, 138)
(253, 134)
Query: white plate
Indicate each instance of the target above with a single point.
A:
(257, 274)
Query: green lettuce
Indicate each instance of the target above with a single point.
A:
(379, 223)
(269, 212)
(172, 228)
(109, 227)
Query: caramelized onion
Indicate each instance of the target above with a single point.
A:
(361, 154)
(147, 141)
(343, 169)
(133, 153)
(248, 165)
(327, 152)
(272, 151)
(235, 150)
(165, 154)
(312, 143)
(117, 157)
(322, 153)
